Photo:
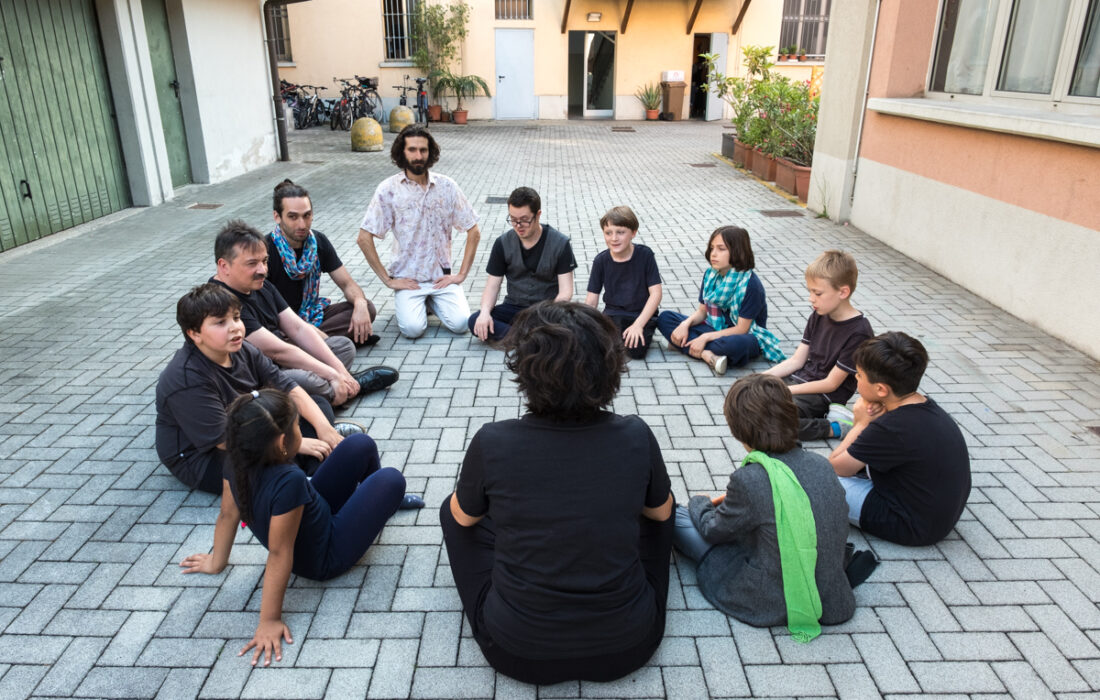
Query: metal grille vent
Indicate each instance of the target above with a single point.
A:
(204, 206)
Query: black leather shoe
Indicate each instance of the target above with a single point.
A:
(348, 427)
(376, 378)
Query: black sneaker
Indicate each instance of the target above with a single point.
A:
(376, 378)
(347, 427)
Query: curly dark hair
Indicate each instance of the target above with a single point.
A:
(253, 423)
(397, 150)
(202, 302)
(568, 359)
(761, 413)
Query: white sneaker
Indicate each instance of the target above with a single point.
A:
(347, 427)
(719, 364)
(843, 418)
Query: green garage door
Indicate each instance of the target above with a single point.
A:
(61, 164)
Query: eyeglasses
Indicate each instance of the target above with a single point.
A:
(522, 223)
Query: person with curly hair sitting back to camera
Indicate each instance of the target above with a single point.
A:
(559, 531)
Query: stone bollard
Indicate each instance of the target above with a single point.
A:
(366, 135)
(400, 117)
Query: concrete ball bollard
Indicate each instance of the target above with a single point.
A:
(400, 117)
(366, 135)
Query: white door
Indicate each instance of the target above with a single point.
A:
(599, 74)
(719, 44)
(515, 76)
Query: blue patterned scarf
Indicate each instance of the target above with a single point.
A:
(307, 268)
(725, 293)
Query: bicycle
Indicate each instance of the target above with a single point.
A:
(313, 113)
(421, 101)
(371, 100)
(344, 108)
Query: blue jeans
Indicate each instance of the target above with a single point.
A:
(856, 489)
(502, 320)
(362, 496)
(686, 538)
(738, 348)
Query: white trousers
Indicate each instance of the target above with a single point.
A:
(449, 304)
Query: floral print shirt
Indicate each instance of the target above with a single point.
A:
(421, 220)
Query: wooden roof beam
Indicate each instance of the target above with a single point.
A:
(626, 15)
(565, 16)
(740, 16)
(694, 14)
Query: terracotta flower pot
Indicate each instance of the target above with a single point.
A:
(651, 114)
(802, 182)
(435, 112)
(748, 156)
(445, 117)
(784, 175)
(741, 154)
(459, 116)
(763, 166)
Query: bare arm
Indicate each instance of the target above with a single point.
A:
(484, 324)
(282, 532)
(308, 409)
(831, 382)
(701, 340)
(792, 364)
(661, 513)
(634, 335)
(460, 516)
(844, 464)
(225, 529)
(360, 325)
(592, 299)
(366, 244)
(565, 287)
(284, 354)
(305, 337)
(473, 237)
(680, 333)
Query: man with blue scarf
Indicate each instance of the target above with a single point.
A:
(298, 255)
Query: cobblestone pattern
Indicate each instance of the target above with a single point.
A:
(92, 603)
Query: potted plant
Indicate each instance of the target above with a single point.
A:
(788, 52)
(438, 31)
(650, 97)
(802, 54)
(742, 95)
(462, 87)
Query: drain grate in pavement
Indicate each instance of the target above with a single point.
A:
(200, 205)
(1095, 429)
(530, 128)
(623, 129)
(701, 165)
(496, 199)
(314, 162)
(779, 213)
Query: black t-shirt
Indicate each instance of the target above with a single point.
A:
(259, 309)
(280, 489)
(291, 289)
(498, 265)
(565, 500)
(919, 465)
(193, 394)
(832, 343)
(625, 284)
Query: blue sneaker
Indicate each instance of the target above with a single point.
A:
(841, 419)
(411, 502)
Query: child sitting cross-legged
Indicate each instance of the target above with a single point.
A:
(771, 551)
(627, 273)
(314, 528)
(729, 325)
(904, 465)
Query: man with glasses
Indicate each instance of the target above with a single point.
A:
(537, 259)
(421, 209)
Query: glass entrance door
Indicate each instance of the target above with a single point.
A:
(599, 74)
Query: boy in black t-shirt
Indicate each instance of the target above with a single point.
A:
(917, 476)
(820, 372)
(628, 275)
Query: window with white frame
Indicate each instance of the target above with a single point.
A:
(1032, 49)
(513, 9)
(281, 25)
(805, 25)
(397, 18)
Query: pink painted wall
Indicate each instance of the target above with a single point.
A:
(1049, 177)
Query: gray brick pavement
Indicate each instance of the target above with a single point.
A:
(92, 604)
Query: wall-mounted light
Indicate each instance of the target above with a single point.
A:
(594, 16)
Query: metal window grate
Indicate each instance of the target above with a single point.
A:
(282, 33)
(397, 18)
(496, 199)
(805, 24)
(780, 213)
(513, 9)
(204, 206)
(701, 165)
(623, 129)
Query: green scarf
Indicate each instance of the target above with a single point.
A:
(797, 535)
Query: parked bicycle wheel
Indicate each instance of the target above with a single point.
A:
(373, 104)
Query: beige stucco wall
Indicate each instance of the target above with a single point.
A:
(343, 37)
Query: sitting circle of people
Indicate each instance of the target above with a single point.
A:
(561, 525)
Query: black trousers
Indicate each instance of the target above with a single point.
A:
(623, 322)
(211, 481)
(471, 553)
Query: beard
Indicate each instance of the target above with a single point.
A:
(417, 168)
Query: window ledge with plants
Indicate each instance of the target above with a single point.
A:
(1069, 128)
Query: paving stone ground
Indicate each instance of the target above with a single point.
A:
(92, 603)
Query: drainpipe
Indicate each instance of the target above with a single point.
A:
(273, 63)
(862, 113)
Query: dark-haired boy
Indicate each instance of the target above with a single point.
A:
(917, 465)
(537, 260)
(821, 371)
(627, 275)
(214, 366)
